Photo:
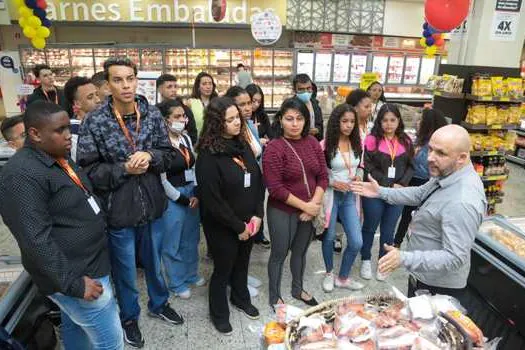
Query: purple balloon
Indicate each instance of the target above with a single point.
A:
(46, 22)
(430, 41)
(425, 25)
(427, 33)
(31, 4)
(40, 13)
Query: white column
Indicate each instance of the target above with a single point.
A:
(478, 47)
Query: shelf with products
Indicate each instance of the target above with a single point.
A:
(151, 60)
(82, 62)
(102, 54)
(479, 127)
(493, 99)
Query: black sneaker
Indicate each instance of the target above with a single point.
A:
(132, 334)
(224, 327)
(169, 315)
(264, 243)
(338, 245)
(250, 311)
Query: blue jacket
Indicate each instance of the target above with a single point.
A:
(421, 164)
(130, 200)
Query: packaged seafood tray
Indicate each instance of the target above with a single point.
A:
(378, 322)
(505, 238)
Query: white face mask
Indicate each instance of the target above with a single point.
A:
(177, 127)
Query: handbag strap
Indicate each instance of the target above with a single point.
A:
(305, 179)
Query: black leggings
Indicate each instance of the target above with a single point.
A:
(406, 217)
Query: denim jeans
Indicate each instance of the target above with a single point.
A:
(90, 324)
(376, 211)
(122, 253)
(344, 206)
(180, 246)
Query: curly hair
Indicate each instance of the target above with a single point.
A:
(211, 138)
(299, 106)
(333, 132)
(378, 132)
(196, 92)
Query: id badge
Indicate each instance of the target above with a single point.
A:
(391, 172)
(93, 203)
(247, 180)
(189, 175)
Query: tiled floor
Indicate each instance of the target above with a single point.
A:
(197, 331)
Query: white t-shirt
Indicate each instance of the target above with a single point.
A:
(339, 168)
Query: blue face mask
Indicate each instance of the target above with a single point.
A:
(304, 96)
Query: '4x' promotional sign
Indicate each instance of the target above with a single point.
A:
(504, 26)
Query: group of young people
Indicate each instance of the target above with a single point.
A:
(135, 182)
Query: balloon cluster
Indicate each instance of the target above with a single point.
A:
(33, 21)
(431, 40)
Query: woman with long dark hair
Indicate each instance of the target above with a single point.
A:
(362, 102)
(204, 90)
(377, 94)
(431, 120)
(259, 116)
(342, 149)
(388, 159)
(296, 177)
(231, 195)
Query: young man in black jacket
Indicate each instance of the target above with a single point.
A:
(304, 90)
(124, 147)
(47, 90)
(167, 88)
(50, 208)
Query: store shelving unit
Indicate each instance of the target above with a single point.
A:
(272, 69)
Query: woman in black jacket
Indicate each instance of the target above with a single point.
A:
(260, 117)
(231, 194)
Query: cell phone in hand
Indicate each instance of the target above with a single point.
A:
(251, 227)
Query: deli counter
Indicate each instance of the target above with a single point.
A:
(496, 284)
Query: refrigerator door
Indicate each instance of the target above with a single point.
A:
(358, 67)
(305, 63)
(380, 65)
(428, 66)
(323, 67)
(341, 67)
(411, 70)
(395, 69)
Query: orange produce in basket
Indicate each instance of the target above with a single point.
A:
(344, 91)
(274, 333)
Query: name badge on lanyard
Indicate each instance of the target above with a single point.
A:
(393, 152)
(189, 175)
(93, 203)
(247, 176)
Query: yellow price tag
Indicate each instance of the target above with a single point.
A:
(367, 79)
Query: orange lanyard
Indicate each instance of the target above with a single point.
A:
(392, 152)
(348, 162)
(186, 155)
(63, 163)
(240, 162)
(47, 96)
(125, 129)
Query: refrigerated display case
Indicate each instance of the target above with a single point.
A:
(358, 67)
(82, 63)
(220, 68)
(282, 76)
(428, 67)
(380, 66)
(59, 59)
(262, 72)
(305, 63)
(395, 69)
(323, 67)
(176, 63)
(341, 67)
(151, 60)
(411, 70)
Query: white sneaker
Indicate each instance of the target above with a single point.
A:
(328, 283)
(254, 282)
(366, 269)
(253, 291)
(381, 276)
(348, 284)
(184, 295)
(201, 282)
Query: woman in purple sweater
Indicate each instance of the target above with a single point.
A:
(295, 174)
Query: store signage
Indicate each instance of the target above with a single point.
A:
(504, 26)
(508, 5)
(24, 89)
(266, 28)
(340, 40)
(7, 62)
(158, 11)
(367, 79)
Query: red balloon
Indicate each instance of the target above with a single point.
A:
(439, 42)
(436, 36)
(445, 15)
(41, 4)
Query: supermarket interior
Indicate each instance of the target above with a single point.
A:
(475, 76)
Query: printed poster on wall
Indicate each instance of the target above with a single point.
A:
(266, 28)
(504, 26)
